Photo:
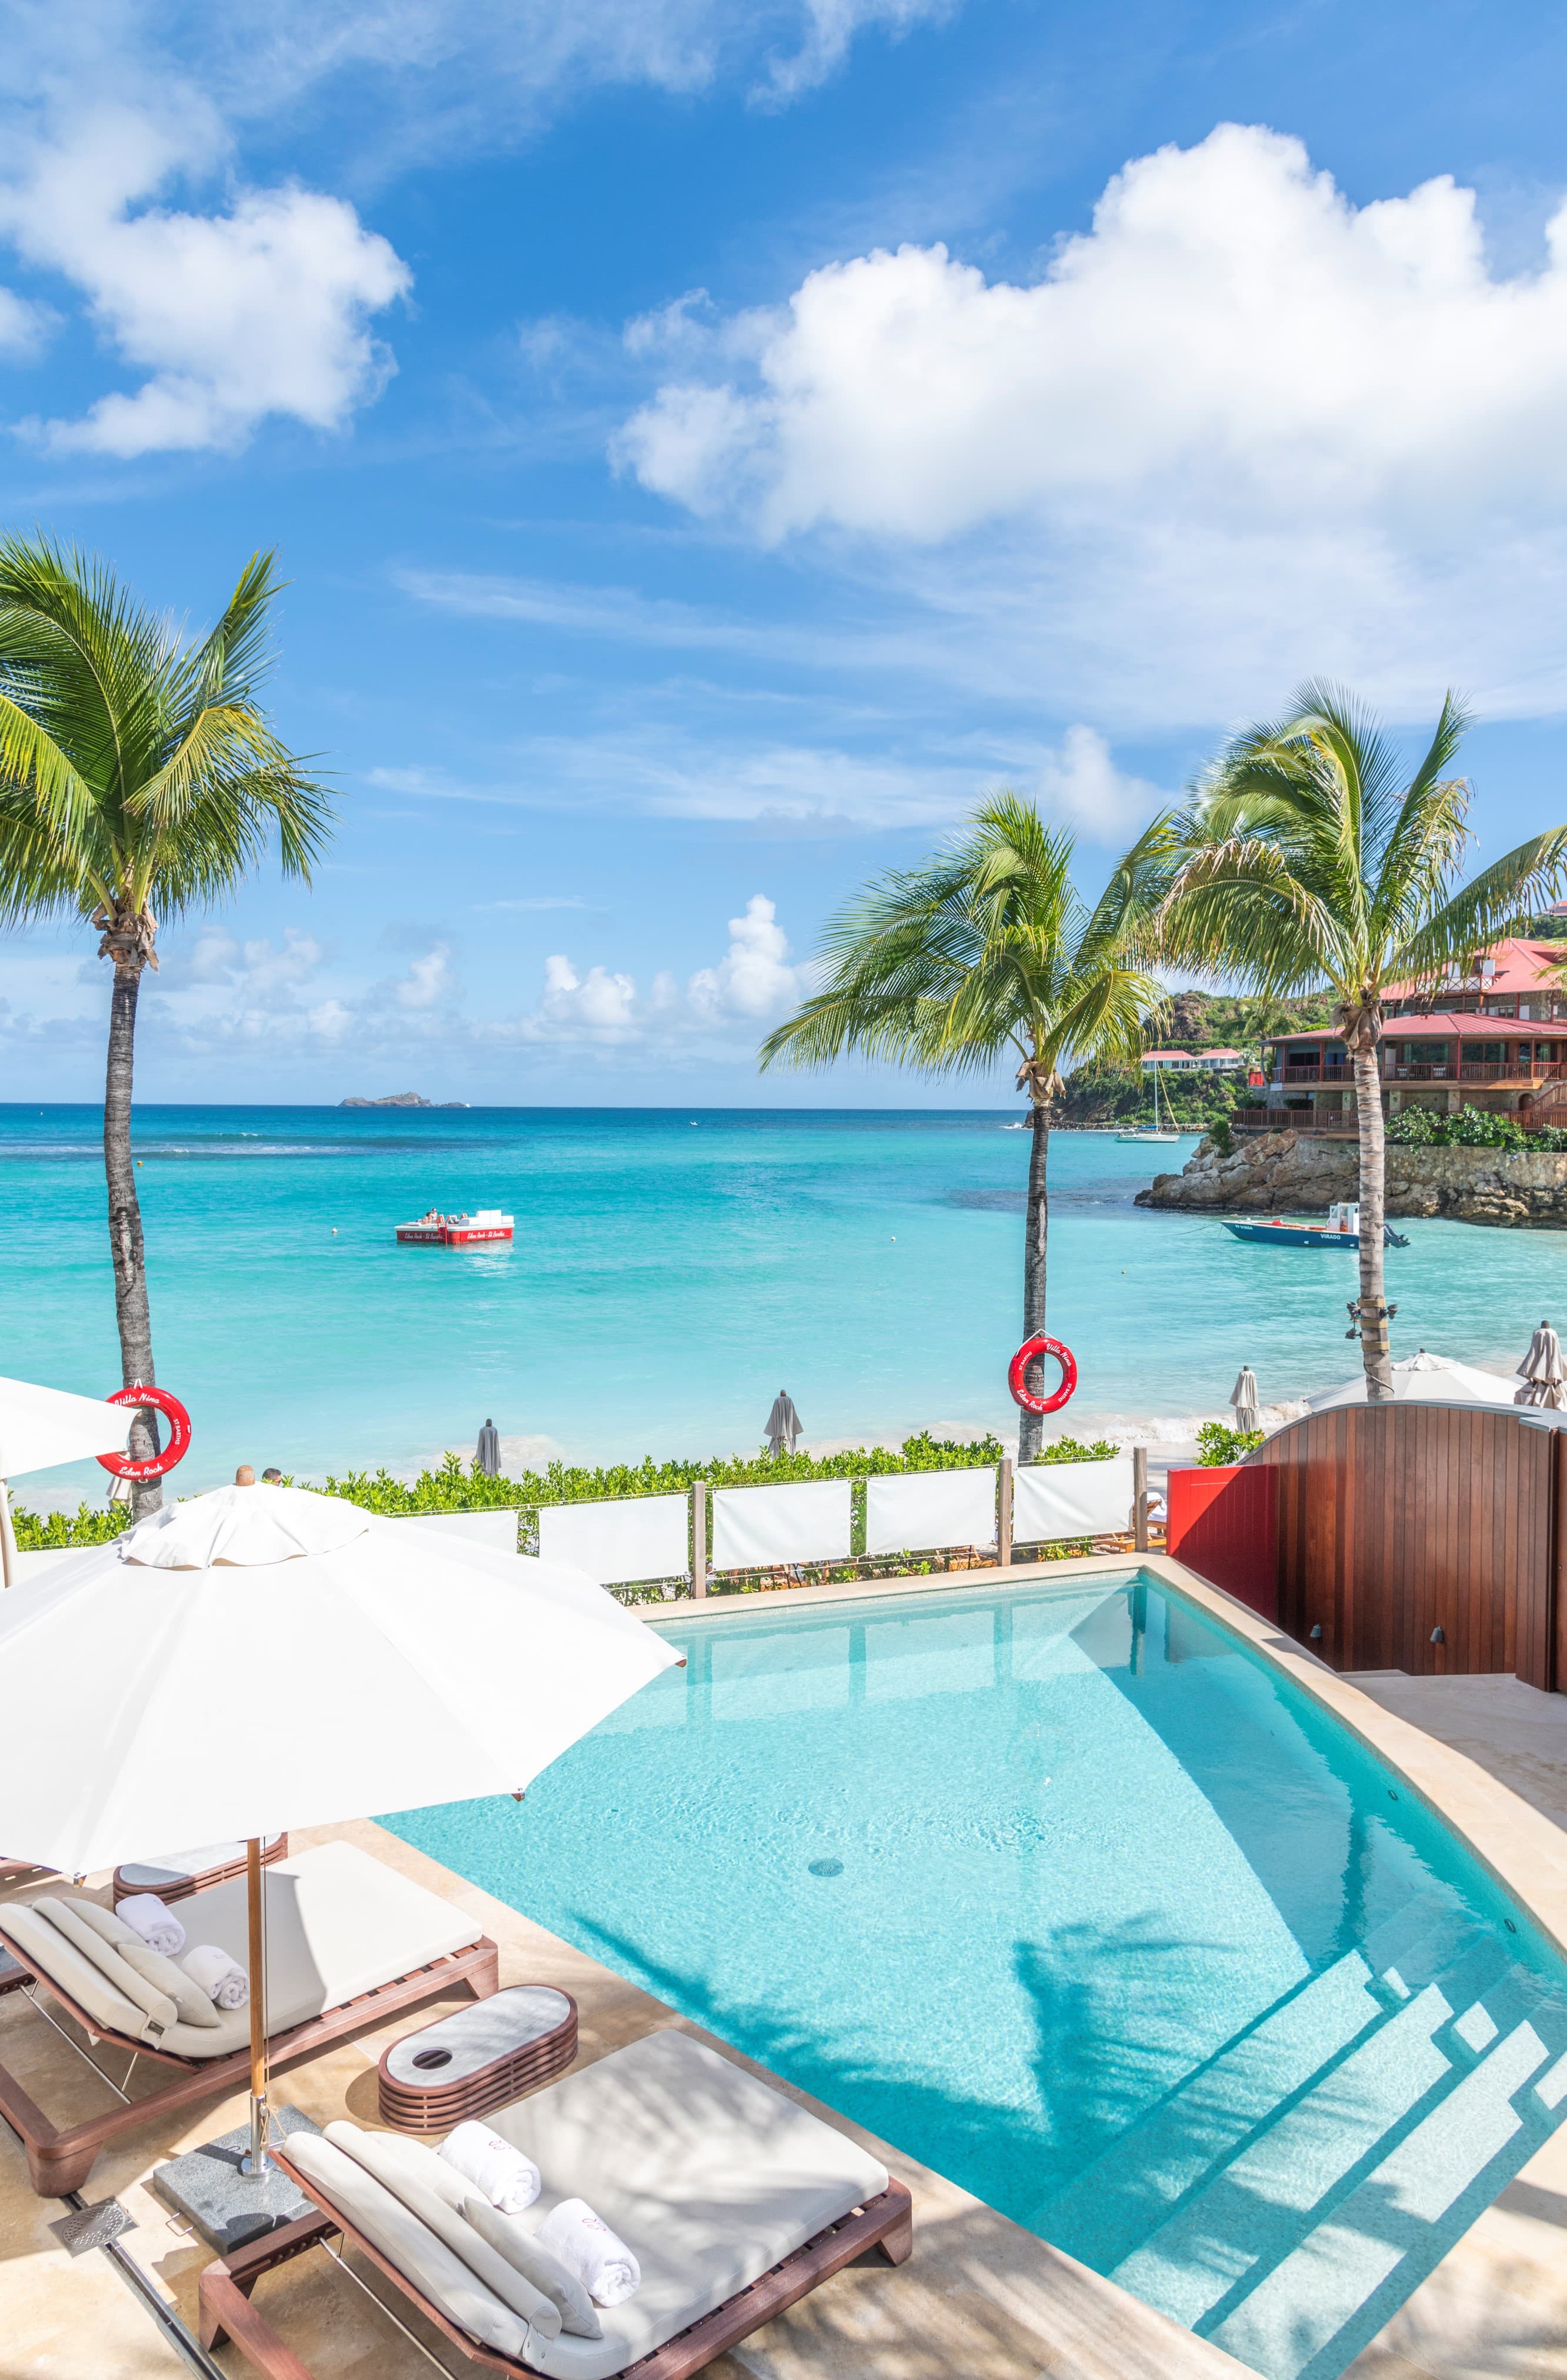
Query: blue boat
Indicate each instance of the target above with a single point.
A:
(1341, 1230)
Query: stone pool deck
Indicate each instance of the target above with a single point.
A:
(979, 2296)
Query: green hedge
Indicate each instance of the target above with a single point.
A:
(454, 1487)
(1471, 1128)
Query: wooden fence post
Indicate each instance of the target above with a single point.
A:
(700, 1537)
(1003, 1513)
(1140, 1492)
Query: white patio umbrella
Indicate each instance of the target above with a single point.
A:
(42, 1427)
(1543, 1372)
(1244, 1399)
(784, 1424)
(1424, 1378)
(422, 1669)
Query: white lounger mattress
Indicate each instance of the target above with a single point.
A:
(338, 1923)
(710, 2177)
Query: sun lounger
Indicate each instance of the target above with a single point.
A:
(179, 1873)
(350, 1942)
(734, 2201)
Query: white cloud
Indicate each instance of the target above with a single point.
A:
(1080, 782)
(1239, 428)
(800, 788)
(256, 968)
(754, 978)
(23, 327)
(429, 979)
(753, 982)
(261, 310)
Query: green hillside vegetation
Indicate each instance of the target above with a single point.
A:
(1195, 1021)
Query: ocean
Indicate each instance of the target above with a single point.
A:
(671, 1269)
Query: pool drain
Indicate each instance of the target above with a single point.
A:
(827, 1867)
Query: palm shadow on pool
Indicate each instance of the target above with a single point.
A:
(1089, 2072)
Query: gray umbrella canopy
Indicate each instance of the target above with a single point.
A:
(487, 1456)
(785, 1427)
(1243, 1396)
(1543, 1372)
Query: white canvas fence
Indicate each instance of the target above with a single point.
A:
(1070, 1499)
(628, 1536)
(929, 1508)
(756, 1528)
(633, 1537)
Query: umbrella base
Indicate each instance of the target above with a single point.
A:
(227, 2206)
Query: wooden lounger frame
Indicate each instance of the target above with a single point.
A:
(885, 2222)
(199, 1879)
(60, 2160)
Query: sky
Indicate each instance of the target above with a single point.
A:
(710, 446)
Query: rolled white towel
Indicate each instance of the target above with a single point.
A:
(586, 2246)
(508, 2179)
(158, 1927)
(221, 1978)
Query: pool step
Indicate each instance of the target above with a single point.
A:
(1286, 2197)
(1114, 2205)
(1253, 2215)
(1131, 2188)
(1316, 2308)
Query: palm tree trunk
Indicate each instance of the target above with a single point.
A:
(126, 1248)
(1375, 1352)
(1031, 1428)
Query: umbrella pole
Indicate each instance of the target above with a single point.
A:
(7, 1539)
(255, 2163)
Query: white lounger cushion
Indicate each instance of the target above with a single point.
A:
(411, 2246)
(381, 2156)
(42, 1946)
(159, 2014)
(708, 2176)
(338, 1923)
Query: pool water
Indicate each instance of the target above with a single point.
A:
(1068, 1894)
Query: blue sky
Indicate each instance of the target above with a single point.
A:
(711, 445)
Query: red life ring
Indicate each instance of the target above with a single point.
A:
(1029, 1353)
(152, 1466)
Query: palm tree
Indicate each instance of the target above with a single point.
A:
(986, 952)
(138, 778)
(1312, 863)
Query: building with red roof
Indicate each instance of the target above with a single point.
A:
(1492, 1036)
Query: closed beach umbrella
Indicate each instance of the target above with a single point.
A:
(487, 1456)
(1244, 1399)
(1543, 1372)
(784, 1427)
(42, 1427)
(420, 1669)
(1424, 1378)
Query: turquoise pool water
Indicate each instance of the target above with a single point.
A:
(1066, 1893)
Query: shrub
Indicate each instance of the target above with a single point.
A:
(1471, 1128)
(454, 1486)
(1217, 1442)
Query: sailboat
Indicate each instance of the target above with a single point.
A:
(1158, 1130)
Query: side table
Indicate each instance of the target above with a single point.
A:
(479, 2058)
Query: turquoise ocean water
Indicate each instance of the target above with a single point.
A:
(671, 1269)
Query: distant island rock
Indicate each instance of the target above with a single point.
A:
(403, 1100)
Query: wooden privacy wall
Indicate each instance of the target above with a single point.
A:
(1396, 1520)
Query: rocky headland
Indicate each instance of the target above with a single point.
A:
(1302, 1173)
(403, 1100)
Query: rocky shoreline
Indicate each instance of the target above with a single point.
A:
(1302, 1173)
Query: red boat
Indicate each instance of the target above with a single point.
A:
(433, 1231)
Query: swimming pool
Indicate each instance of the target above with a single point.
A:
(1067, 1892)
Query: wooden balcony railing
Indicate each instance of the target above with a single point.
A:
(1508, 1070)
